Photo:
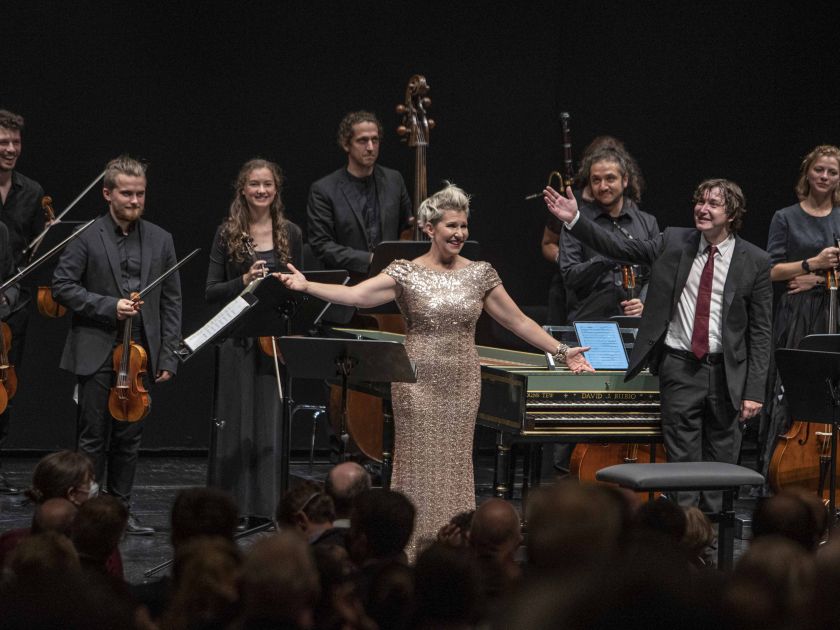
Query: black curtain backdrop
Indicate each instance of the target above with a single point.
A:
(717, 89)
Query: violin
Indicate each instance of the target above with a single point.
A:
(129, 400)
(414, 131)
(47, 306)
(8, 377)
(267, 344)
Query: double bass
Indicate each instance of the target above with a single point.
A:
(802, 456)
(365, 412)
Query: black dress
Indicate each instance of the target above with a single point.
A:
(794, 235)
(245, 454)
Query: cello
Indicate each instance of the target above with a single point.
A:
(802, 456)
(8, 376)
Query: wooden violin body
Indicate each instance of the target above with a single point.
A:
(588, 459)
(129, 399)
(47, 306)
(8, 376)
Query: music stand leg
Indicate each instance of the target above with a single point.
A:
(832, 471)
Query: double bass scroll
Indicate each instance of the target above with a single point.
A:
(414, 131)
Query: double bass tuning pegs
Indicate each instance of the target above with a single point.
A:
(432, 123)
(401, 108)
(402, 130)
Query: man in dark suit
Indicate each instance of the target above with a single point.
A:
(353, 209)
(119, 254)
(706, 325)
(21, 213)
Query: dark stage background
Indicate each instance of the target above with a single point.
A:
(730, 89)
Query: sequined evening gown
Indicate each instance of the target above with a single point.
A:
(435, 417)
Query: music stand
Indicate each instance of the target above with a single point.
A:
(811, 379)
(354, 361)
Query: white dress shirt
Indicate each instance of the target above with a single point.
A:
(682, 324)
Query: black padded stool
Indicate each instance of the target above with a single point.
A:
(691, 476)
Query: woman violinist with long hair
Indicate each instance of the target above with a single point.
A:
(254, 239)
(802, 249)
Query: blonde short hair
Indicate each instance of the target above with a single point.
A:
(449, 198)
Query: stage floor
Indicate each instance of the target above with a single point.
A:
(160, 477)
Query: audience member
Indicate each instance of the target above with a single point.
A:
(574, 527)
(97, 530)
(456, 533)
(279, 583)
(447, 588)
(787, 514)
(206, 575)
(390, 601)
(771, 584)
(699, 537)
(344, 483)
(65, 474)
(196, 512)
(309, 509)
(494, 537)
(54, 515)
(381, 524)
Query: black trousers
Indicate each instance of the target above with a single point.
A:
(112, 445)
(699, 423)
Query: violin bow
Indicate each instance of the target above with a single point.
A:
(168, 272)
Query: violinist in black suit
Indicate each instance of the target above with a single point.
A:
(355, 208)
(119, 254)
(706, 324)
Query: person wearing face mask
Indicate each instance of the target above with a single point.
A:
(594, 282)
(256, 238)
(802, 248)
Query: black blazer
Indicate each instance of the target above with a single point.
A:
(335, 225)
(7, 270)
(224, 275)
(747, 303)
(88, 280)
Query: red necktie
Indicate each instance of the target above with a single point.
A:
(700, 334)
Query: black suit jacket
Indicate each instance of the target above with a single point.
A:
(87, 280)
(334, 221)
(747, 302)
(7, 270)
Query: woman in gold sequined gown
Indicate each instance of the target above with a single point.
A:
(441, 294)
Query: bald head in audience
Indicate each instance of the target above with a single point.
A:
(495, 530)
(54, 515)
(344, 483)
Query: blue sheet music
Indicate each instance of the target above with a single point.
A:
(607, 351)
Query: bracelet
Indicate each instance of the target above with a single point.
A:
(559, 355)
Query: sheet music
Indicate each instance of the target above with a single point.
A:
(224, 317)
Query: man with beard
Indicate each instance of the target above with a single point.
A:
(119, 254)
(355, 208)
(594, 283)
(21, 213)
